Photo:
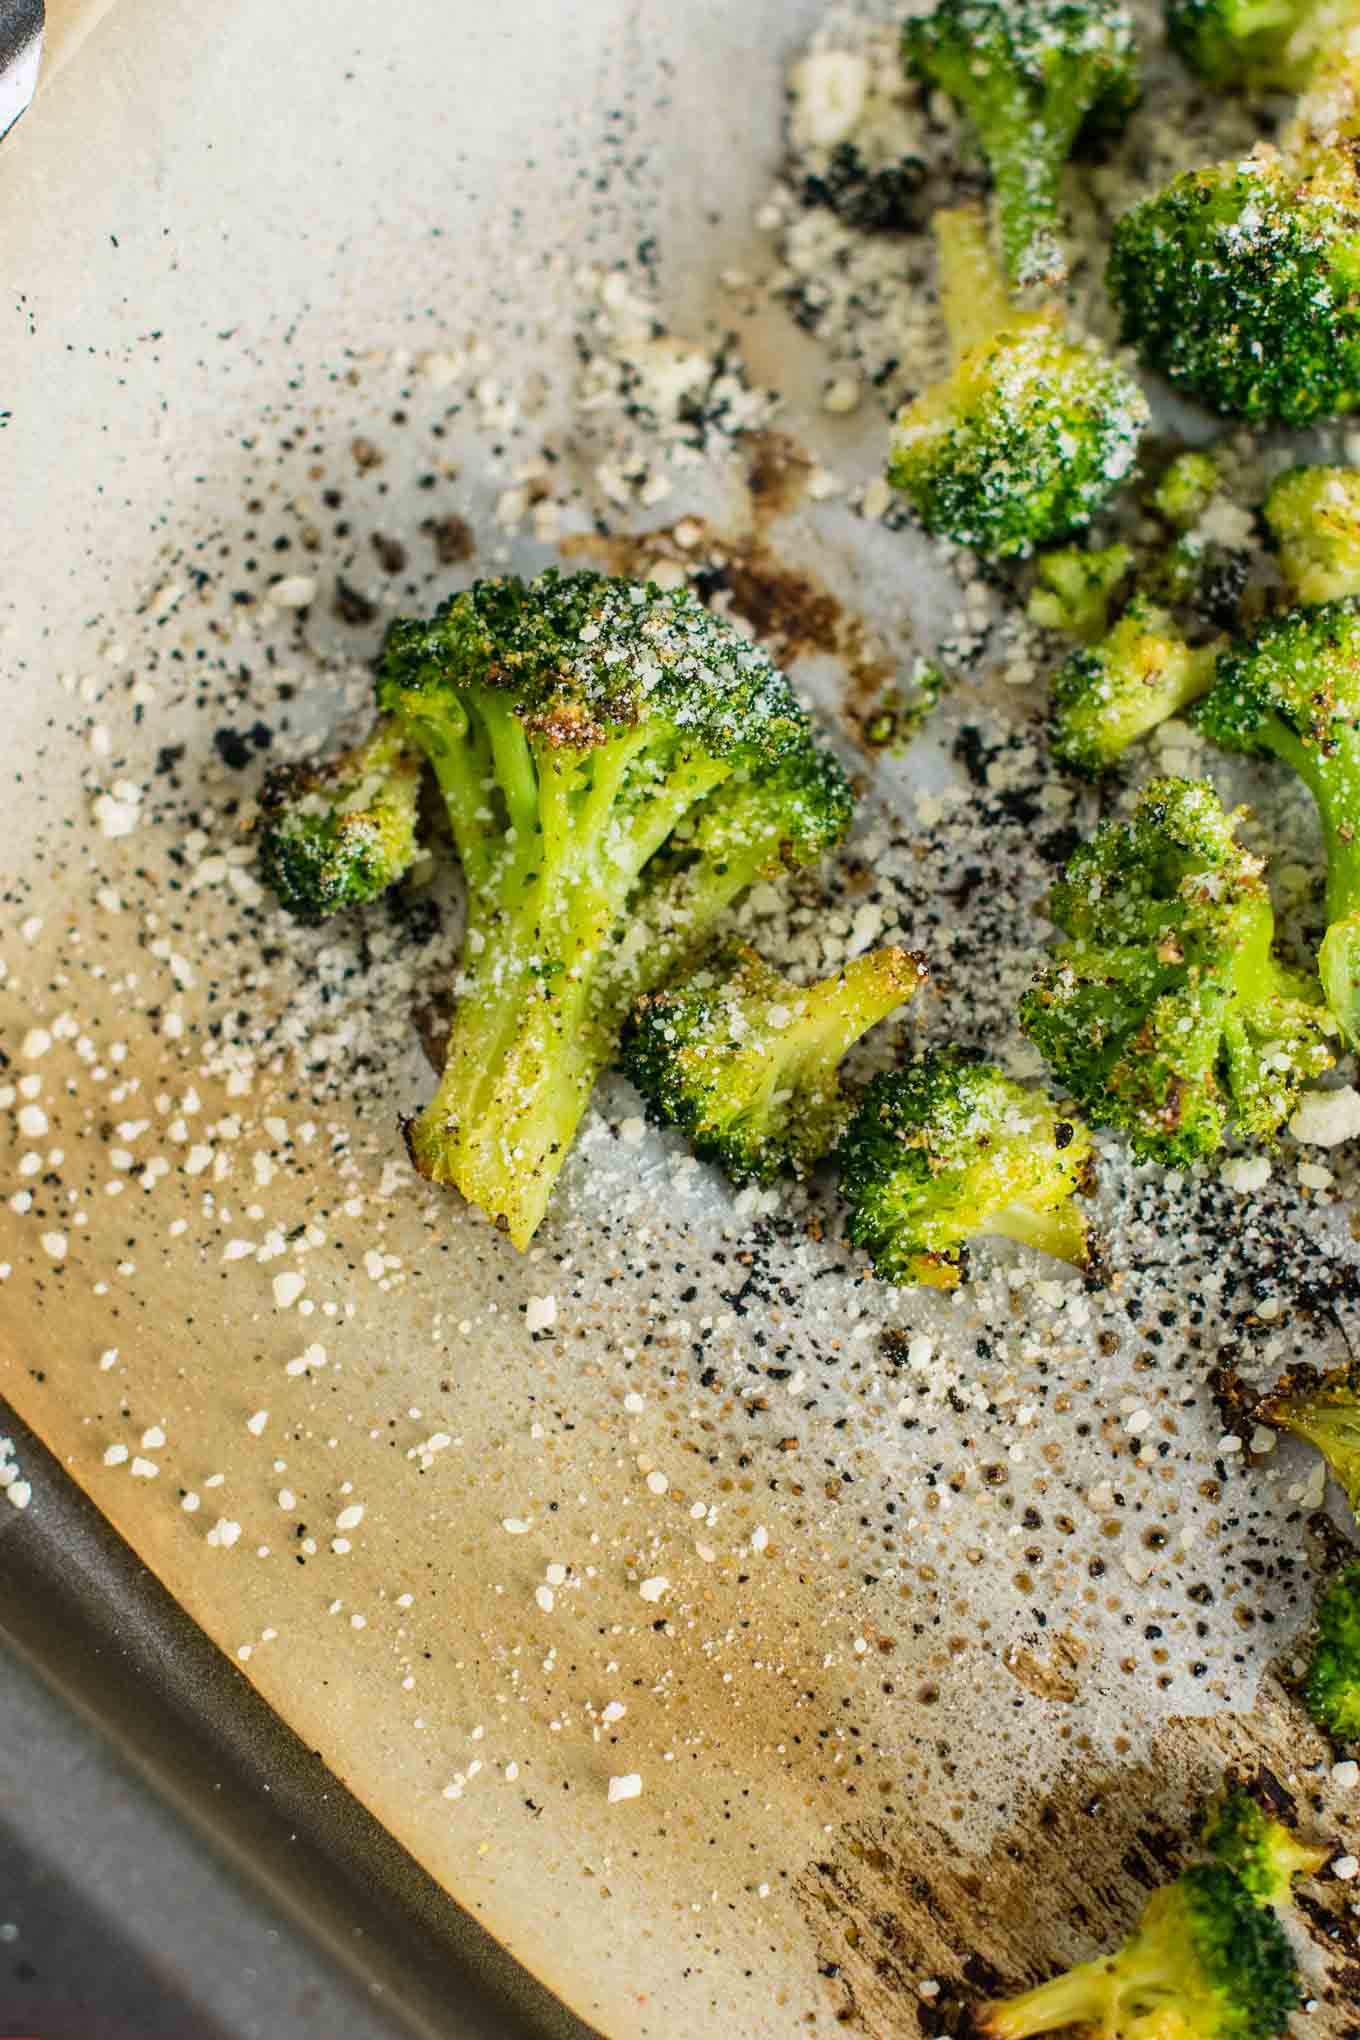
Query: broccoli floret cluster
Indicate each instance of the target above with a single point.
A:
(1331, 1682)
(1031, 75)
(336, 834)
(1266, 1855)
(1208, 1960)
(1238, 283)
(1293, 692)
(1314, 517)
(618, 766)
(1140, 673)
(747, 1063)
(1164, 1011)
(1032, 431)
(949, 1149)
(1205, 1962)
(1074, 589)
(1267, 44)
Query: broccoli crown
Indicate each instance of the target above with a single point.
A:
(618, 766)
(1204, 1963)
(336, 834)
(1074, 589)
(1030, 75)
(1324, 1409)
(1106, 697)
(1033, 429)
(1293, 690)
(1238, 283)
(1165, 1010)
(578, 659)
(1186, 488)
(949, 1148)
(1314, 517)
(1331, 1684)
(746, 1063)
(1239, 1832)
(1263, 43)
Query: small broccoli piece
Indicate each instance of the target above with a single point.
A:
(1239, 1832)
(746, 1062)
(618, 766)
(1106, 698)
(1034, 428)
(1267, 44)
(1165, 1011)
(1074, 589)
(1205, 1962)
(1324, 1409)
(336, 834)
(1186, 489)
(949, 1149)
(1331, 1684)
(1271, 329)
(1314, 516)
(1293, 691)
(1030, 75)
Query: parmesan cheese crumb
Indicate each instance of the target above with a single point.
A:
(630, 1787)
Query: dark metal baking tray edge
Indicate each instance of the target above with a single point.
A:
(99, 1628)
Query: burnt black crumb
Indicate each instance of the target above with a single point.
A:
(883, 201)
(350, 606)
(237, 748)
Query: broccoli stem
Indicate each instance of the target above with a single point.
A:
(1079, 1997)
(973, 298)
(1061, 1232)
(541, 1002)
(1339, 955)
(1029, 199)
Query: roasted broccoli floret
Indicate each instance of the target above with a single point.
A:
(1331, 1684)
(949, 1149)
(1314, 517)
(1324, 1409)
(1165, 1012)
(746, 1063)
(1186, 488)
(618, 765)
(1267, 44)
(1205, 1962)
(1030, 75)
(1241, 1833)
(1074, 589)
(1294, 691)
(1238, 282)
(338, 833)
(1034, 428)
(1105, 698)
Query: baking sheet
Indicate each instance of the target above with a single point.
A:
(921, 1687)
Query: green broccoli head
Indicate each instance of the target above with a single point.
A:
(1030, 75)
(335, 834)
(1314, 517)
(1324, 1409)
(1241, 1833)
(1293, 691)
(1074, 589)
(618, 766)
(747, 1063)
(1164, 1011)
(949, 1149)
(1267, 44)
(1107, 697)
(1271, 327)
(1031, 432)
(1186, 488)
(1205, 1962)
(1331, 1683)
